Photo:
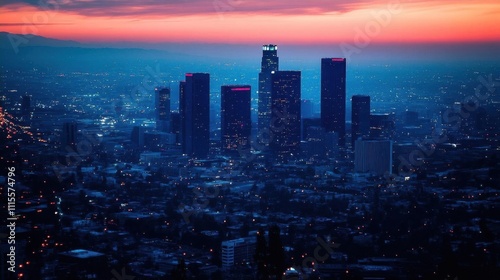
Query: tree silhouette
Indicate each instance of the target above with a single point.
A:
(276, 253)
(180, 272)
(261, 256)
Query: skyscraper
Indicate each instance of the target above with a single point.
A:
(285, 113)
(195, 108)
(162, 106)
(235, 117)
(269, 64)
(182, 109)
(333, 96)
(360, 117)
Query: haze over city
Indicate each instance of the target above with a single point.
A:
(235, 139)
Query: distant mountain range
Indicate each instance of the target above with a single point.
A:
(10, 40)
(30, 45)
(431, 52)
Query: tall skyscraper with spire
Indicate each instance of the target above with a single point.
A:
(333, 96)
(269, 64)
(195, 110)
(235, 118)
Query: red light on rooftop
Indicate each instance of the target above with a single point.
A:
(338, 59)
(240, 88)
(189, 75)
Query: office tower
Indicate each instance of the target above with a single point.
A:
(309, 122)
(313, 141)
(333, 96)
(373, 156)
(158, 141)
(285, 113)
(162, 106)
(269, 64)
(360, 117)
(235, 118)
(137, 136)
(182, 105)
(237, 252)
(381, 126)
(68, 136)
(195, 100)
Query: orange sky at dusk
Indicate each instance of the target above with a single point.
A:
(238, 21)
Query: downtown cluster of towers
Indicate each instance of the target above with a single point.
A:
(279, 109)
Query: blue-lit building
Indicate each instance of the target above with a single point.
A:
(360, 117)
(235, 118)
(162, 106)
(333, 96)
(269, 64)
(195, 114)
(285, 122)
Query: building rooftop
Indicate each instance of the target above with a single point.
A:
(82, 254)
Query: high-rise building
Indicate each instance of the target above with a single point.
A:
(235, 118)
(195, 107)
(182, 105)
(137, 136)
(68, 136)
(373, 156)
(269, 64)
(162, 106)
(285, 113)
(360, 117)
(382, 126)
(333, 96)
(237, 252)
(309, 122)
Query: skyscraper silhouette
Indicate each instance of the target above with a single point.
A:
(269, 64)
(235, 118)
(195, 102)
(162, 104)
(333, 96)
(182, 109)
(285, 113)
(360, 117)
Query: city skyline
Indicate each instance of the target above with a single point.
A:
(250, 140)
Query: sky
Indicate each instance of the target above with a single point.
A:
(308, 22)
